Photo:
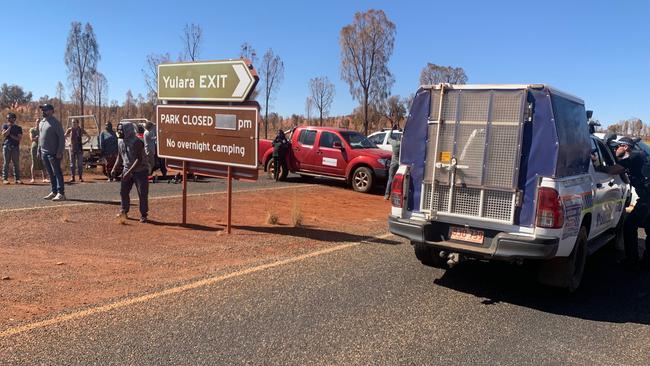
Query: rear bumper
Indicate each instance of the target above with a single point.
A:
(496, 245)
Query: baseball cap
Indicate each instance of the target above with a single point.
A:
(46, 107)
(626, 141)
(11, 115)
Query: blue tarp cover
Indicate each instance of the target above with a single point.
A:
(414, 145)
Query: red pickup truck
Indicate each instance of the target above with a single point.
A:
(333, 153)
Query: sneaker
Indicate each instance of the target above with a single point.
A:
(59, 197)
(72, 180)
(81, 179)
(18, 181)
(50, 196)
(4, 181)
(143, 219)
(46, 180)
(31, 181)
(122, 215)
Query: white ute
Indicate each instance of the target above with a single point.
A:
(504, 172)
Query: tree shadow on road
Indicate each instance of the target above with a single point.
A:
(313, 233)
(101, 202)
(608, 292)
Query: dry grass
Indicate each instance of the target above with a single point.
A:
(296, 215)
(272, 218)
(65, 218)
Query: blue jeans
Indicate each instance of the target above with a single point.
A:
(76, 160)
(141, 181)
(391, 173)
(53, 166)
(10, 153)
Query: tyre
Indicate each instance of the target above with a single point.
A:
(566, 272)
(428, 256)
(270, 169)
(362, 179)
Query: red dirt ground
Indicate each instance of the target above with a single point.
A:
(67, 258)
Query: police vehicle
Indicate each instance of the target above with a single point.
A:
(504, 172)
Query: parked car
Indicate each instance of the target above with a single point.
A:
(380, 138)
(504, 172)
(332, 153)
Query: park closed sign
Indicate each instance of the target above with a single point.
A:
(212, 81)
(221, 135)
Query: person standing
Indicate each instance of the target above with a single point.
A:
(150, 148)
(76, 134)
(108, 148)
(135, 169)
(36, 162)
(632, 161)
(51, 143)
(280, 145)
(11, 133)
(395, 142)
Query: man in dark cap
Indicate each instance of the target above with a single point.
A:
(632, 161)
(108, 147)
(11, 133)
(51, 144)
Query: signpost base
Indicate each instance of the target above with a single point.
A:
(229, 200)
(184, 193)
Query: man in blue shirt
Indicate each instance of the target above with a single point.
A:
(11, 133)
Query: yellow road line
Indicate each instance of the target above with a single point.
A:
(175, 290)
(155, 198)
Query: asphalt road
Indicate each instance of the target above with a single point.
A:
(29, 196)
(366, 304)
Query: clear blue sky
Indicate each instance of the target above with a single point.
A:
(597, 50)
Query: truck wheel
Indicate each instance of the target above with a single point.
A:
(362, 179)
(270, 169)
(566, 272)
(428, 255)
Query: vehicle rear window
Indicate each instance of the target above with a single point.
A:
(357, 140)
(307, 137)
(327, 139)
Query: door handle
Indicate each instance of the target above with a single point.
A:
(296, 148)
(319, 152)
(611, 183)
(599, 185)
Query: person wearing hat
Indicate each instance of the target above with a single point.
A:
(51, 144)
(631, 161)
(11, 133)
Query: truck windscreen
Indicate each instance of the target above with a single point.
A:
(357, 140)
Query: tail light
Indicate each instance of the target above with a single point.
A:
(550, 211)
(397, 191)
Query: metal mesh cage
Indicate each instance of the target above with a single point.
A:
(450, 99)
(470, 147)
(502, 155)
(466, 200)
(498, 205)
(440, 198)
(435, 105)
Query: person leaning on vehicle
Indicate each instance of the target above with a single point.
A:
(395, 142)
(631, 162)
(108, 148)
(51, 143)
(280, 146)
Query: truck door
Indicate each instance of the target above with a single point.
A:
(303, 150)
(607, 192)
(329, 154)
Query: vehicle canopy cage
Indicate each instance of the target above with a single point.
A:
(477, 151)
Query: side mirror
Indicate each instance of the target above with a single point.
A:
(589, 114)
(337, 145)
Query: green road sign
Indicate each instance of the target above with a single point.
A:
(217, 81)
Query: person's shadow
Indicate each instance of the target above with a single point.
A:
(608, 291)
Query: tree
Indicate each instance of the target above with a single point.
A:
(128, 103)
(366, 47)
(11, 96)
(271, 74)
(60, 95)
(192, 37)
(322, 93)
(81, 57)
(435, 74)
(394, 109)
(150, 73)
(98, 92)
(246, 51)
(309, 105)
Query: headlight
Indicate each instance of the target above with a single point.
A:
(383, 161)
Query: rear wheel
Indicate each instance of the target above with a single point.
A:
(567, 272)
(362, 179)
(428, 256)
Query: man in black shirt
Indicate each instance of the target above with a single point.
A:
(631, 161)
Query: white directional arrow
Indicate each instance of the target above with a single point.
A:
(244, 80)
